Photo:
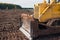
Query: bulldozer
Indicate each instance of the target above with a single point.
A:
(46, 21)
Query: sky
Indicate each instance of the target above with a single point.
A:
(22, 3)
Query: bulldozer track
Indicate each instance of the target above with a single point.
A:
(40, 31)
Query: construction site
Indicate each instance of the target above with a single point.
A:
(39, 23)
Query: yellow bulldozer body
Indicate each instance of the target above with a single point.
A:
(45, 11)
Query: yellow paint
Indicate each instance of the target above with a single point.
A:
(45, 11)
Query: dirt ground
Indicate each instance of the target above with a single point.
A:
(10, 21)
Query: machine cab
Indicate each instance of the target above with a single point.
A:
(58, 0)
(53, 0)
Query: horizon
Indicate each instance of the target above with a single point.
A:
(22, 3)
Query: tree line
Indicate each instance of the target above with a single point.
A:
(9, 6)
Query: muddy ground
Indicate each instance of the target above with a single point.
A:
(10, 22)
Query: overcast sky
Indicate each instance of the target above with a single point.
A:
(23, 3)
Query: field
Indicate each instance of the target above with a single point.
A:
(10, 23)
